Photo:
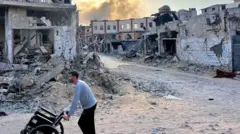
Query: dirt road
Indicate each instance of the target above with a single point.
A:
(174, 103)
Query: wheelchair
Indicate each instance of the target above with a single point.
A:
(44, 122)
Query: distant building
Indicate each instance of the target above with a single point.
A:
(236, 4)
(185, 15)
(83, 32)
(214, 9)
(130, 29)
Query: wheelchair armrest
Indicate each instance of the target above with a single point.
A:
(39, 116)
(47, 111)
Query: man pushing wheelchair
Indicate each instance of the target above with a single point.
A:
(46, 122)
(84, 95)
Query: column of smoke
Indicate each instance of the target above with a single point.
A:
(109, 9)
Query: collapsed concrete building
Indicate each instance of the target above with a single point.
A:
(211, 38)
(32, 31)
(155, 41)
(185, 15)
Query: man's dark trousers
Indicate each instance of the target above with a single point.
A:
(86, 121)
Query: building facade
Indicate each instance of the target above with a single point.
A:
(185, 15)
(212, 38)
(214, 9)
(130, 29)
(37, 28)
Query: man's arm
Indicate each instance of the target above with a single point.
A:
(75, 100)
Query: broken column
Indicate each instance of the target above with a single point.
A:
(8, 38)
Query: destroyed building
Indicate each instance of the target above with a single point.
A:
(156, 41)
(32, 31)
(115, 33)
(214, 9)
(185, 15)
(211, 38)
(164, 15)
(83, 32)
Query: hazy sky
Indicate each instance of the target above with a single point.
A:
(117, 9)
(184, 4)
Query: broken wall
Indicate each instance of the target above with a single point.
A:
(65, 45)
(64, 32)
(202, 43)
(21, 17)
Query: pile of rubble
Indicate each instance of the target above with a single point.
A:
(31, 51)
(169, 61)
(92, 70)
(23, 88)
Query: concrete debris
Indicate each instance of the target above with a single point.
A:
(91, 56)
(49, 75)
(54, 61)
(27, 81)
(46, 21)
(171, 97)
(2, 96)
(10, 96)
(107, 97)
(43, 50)
(59, 77)
(37, 70)
(175, 59)
(131, 54)
(37, 83)
(12, 67)
(5, 80)
(19, 47)
(148, 58)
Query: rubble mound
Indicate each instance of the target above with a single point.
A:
(171, 61)
(92, 70)
(47, 84)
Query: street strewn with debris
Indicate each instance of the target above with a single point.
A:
(156, 100)
(173, 72)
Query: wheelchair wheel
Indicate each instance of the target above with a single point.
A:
(60, 128)
(23, 131)
(44, 129)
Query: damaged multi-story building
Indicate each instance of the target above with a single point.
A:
(119, 33)
(211, 38)
(34, 30)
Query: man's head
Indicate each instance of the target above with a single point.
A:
(73, 77)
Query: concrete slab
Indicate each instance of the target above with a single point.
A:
(49, 75)
(43, 50)
(19, 47)
(9, 67)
